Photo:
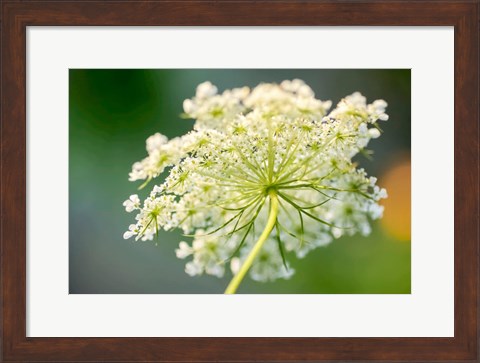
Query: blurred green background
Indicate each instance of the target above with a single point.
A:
(112, 112)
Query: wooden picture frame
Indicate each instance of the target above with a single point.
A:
(18, 15)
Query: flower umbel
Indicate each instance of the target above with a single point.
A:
(265, 172)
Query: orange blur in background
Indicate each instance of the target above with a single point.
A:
(397, 215)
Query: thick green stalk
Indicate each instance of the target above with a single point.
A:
(272, 218)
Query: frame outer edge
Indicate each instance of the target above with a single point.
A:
(13, 31)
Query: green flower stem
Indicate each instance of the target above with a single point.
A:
(272, 219)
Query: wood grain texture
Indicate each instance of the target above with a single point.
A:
(17, 15)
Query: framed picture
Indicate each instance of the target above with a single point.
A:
(239, 181)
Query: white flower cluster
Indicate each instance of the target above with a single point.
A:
(247, 144)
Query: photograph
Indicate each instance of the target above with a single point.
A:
(239, 181)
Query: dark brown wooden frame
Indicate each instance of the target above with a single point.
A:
(17, 15)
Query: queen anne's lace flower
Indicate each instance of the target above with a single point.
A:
(272, 146)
